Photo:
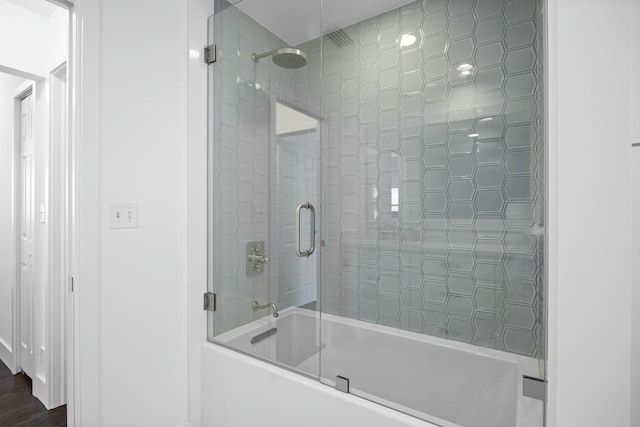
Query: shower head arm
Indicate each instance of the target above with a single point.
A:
(255, 57)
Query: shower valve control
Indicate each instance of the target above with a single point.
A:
(256, 258)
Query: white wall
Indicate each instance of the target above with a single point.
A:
(27, 32)
(8, 84)
(589, 213)
(635, 351)
(634, 19)
(133, 296)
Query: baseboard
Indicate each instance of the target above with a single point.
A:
(6, 355)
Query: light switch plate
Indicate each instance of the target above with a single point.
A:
(123, 215)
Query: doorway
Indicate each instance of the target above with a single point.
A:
(36, 197)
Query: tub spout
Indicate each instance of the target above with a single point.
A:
(255, 306)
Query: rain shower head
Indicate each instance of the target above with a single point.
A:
(286, 57)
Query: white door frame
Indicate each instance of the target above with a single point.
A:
(67, 358)
(59, 319)
(59, 230)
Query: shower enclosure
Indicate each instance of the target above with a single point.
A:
(376, 199)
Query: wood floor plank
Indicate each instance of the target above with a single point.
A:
(18, 407)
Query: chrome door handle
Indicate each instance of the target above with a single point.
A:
(312, 230)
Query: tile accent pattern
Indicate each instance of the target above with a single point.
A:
(432, 171)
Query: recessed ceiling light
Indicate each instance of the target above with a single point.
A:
(464, 67)
(407, 40)
(473, 135)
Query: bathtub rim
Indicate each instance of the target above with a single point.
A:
(528, 366)
(527, 415)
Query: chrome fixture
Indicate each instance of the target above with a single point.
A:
(256, 306)
(256, 258)
(286, 57)
(342, 384)
(312, 230)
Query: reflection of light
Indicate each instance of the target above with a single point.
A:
(486, 119)
(258, 86)
(474, 135)
(395, 199)
(407, 40)
(194, 54)
(464, 70)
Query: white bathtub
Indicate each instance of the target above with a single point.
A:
(450, 384)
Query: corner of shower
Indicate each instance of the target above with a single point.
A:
(376, 201)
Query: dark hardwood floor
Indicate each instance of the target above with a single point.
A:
(18, 407)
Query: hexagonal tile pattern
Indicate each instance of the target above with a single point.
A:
(434, 90)
(460, 330)
(489, 79)
(435, 23)
(489, 176)
(487, 8)
(519, 60)
(430, 172)
(460, 283)
(460, 50)
(411, 299)
(411, 19)
(489, 31)
(461, 166)
(435, 45)
(460, 306)
(461, 237)
(489, 152)
(489, 250)
(460, 143)
(520, 35)
(410, 320)
(460, 260)
(489, 55)
(489, 299)
(388, 306)
(519, 316)
(461, 26)
(519, 10)
(460, 190)
(435, 68)
(521, 342)
(435, 313)
(458, 7)
(489, 201)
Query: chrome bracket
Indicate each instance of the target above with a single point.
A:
(210, 54)
(342, 384)
(534, 388)
(210, 301)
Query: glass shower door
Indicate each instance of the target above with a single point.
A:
(377, 181)
(432, 284)
(263, 193)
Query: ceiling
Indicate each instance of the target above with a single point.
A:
(41, 7)
(298, 21)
